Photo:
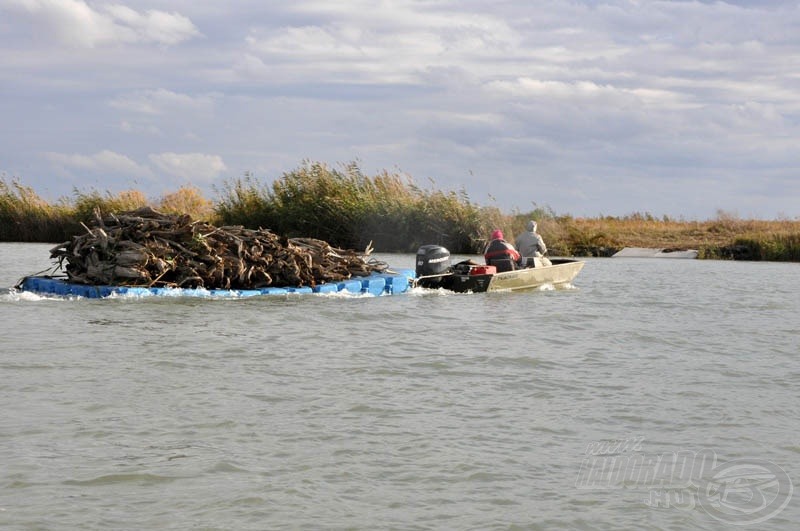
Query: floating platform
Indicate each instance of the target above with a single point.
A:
(377, 284)
(644, 252)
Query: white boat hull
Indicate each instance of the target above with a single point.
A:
(559, 273)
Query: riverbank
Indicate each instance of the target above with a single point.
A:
(351, 210)
(725, 237)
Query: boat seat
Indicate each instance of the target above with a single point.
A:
(503, 264)
(530, 261)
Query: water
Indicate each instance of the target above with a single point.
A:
(421, 411)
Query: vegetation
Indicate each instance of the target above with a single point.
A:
(349, 210)
(725, 237)
(26, 217)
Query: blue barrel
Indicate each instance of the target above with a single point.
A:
(373, 285)
(351, 286)
(326, 288)
(301, 289)
(396, 284)
(273, 291)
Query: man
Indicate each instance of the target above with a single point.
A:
(530, 243)
(498, 248)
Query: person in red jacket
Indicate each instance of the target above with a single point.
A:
(499, 248)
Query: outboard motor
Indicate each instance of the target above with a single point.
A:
(432, 260)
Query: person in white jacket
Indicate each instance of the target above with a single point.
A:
(530, 243)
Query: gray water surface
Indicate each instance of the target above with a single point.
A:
(422, 411)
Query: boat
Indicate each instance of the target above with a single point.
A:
(434, 270)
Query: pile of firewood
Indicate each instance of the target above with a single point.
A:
(145, 247)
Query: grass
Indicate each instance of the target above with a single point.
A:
(350, 209)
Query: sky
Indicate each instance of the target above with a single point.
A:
(688, 109)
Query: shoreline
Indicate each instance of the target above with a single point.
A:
(725, 238)
(390, 213)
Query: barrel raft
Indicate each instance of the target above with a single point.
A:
(145, 252)
(376, 284)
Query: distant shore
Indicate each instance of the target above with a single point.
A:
(725, 237)
(352, 210)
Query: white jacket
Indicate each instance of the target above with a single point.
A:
(530, 243)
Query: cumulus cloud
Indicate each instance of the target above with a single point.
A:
(78, 24)
(152, 25)
(193, 167)
(585, 93)
(160, 101)
(103, 161)
(394, 44)
(142, 129)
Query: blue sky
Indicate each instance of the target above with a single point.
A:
(682, 108)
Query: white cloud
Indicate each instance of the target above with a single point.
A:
(78, 24)
(583, 92)
(153, 26)
(160, 101)
(103, 161)
(393, 44)
(142, 129)
(190, 166)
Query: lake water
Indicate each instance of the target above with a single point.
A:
(659, 394)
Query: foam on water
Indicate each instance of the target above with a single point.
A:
(14, 295)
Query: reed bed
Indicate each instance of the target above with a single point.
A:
(145, 247)
(349, 209)
(26, 217)
(724, 237)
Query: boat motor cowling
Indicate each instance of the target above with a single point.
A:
(432, 260)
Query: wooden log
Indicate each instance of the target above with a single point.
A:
(144, 247)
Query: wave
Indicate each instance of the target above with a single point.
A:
(114, 479)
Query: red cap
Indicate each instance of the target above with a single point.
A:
(497, 234)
